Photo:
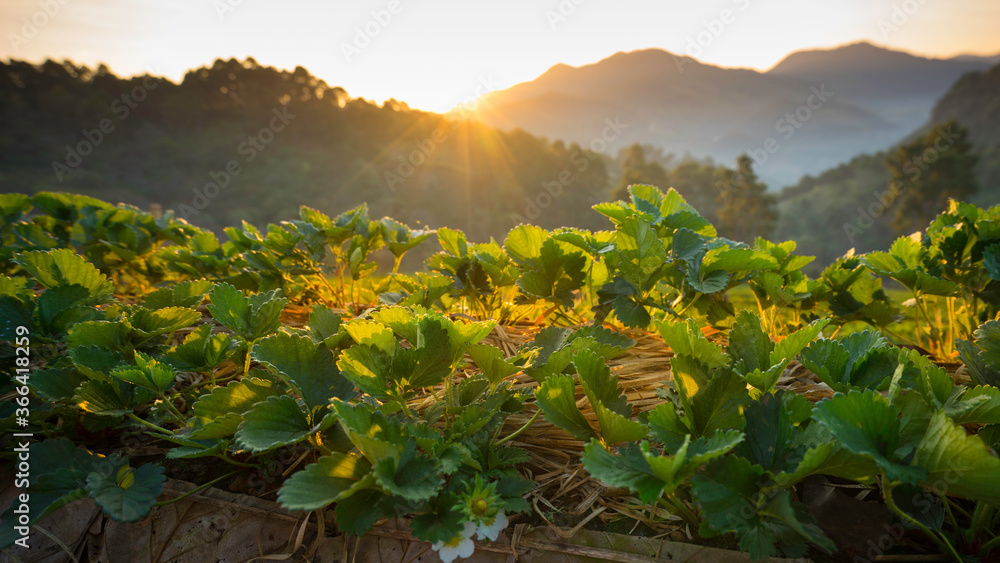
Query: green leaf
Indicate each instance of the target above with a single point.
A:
(305, 366)
(686, 245)
(62, 307)
(524, 243)
(104, 334)
(641, 250)
(686, 339)
(556, 397)
(95, 362)
(63, 267)
(863, 360)
(556, 348)
(729, 492)
(56, 384)
(148, 373)
(791, 345)
(376, 334)
(956, 463)
(332, 478)
(616, 428)
(221, 411)
(867, 425)
(749, 345)
(982, 359)
(201, 350)
(367, 367)
(598, 383)
(667, 426)
(734, 260)
(125, 494)
(979, 405)
(230, 307)
(356, 514)
(769, 432)
(490, 360)
(630, 312)
(400, 238)
(110, 398)
(185, 294)
(250, 318)
(717, 405)
(453, 242)
(629, 469)
(324, 326)
(674, 470)
(441, 523)
(149, 324)
(273, 423)
(411, 476)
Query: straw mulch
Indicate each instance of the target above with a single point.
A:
(565, 497)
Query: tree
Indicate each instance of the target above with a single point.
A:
(924, 173)
(696, 180)
(638, 170)
(745, 208)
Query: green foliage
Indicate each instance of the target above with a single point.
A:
(925, 189)
(249, 318)
(982, 358)
(400, 421)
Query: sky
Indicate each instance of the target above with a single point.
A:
(435, 55)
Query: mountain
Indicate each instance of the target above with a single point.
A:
(240, 141)
(685, 106)
(898, 86)
(974, 101)
(821, 212)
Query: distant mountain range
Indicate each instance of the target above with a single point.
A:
(815, 211)
(813, 110)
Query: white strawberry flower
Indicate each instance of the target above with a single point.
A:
(458, 546)
(490, 530)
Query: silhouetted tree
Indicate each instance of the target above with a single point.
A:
(638, 170)
(924, 173)
(745, 210)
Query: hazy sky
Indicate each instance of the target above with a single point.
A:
(435, 54)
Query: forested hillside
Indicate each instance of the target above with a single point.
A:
(975, 100)
(289, 139)
(829, 213)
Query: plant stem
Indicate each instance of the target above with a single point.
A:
(517, 432)
(670, 501)
(947, 509)
(195, 490)
(173, 410)
(940, 540)
(980, 515)
(989, 546)
(134, 417)
(246, 363)
(226, 459)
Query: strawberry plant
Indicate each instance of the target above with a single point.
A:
(399, 405)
